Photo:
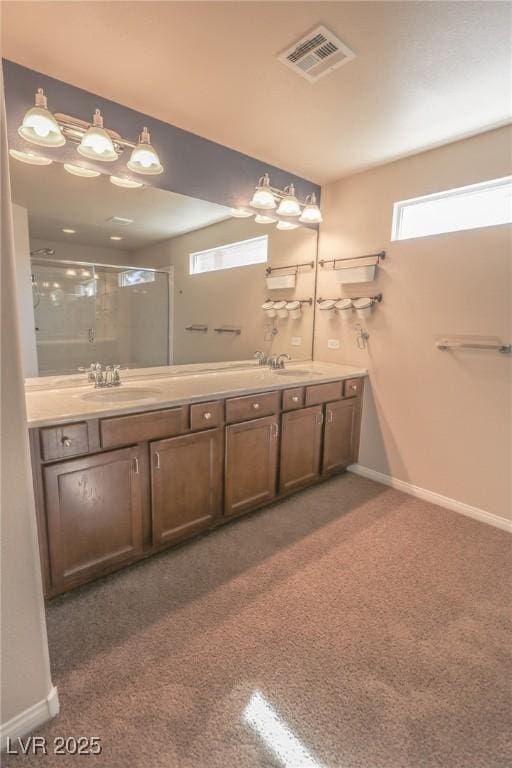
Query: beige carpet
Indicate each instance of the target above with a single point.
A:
(349, 627)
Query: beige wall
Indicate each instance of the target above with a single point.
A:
(438, 420)
(233, 297)
(25, 669)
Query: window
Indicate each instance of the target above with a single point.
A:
(478, 205)
(242, 254)
(134, 277)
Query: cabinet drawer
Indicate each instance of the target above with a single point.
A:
(322, 393)
(136, 428)
(293, 398)
(353, 387)
(205, 415)
(60, 442)
(252, 407)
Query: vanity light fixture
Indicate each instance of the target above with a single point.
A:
(144, 159)
(71, 272)
(29, 157)
(286, 225)
(289, 205)
(96, 144)
(125, 182)
(261, 219)
(68, 231)
(263, 197)
(78, 170)
(311, 213)
(241, 213)
(39, 126)
(116, 237)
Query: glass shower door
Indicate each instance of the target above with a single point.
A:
(64, 314)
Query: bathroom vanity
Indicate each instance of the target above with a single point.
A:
(122, 474)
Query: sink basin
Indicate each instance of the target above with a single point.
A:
(121, 394)
(295, 372)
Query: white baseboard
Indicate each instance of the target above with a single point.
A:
(434, 498)
(30, 718)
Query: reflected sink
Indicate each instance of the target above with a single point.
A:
(121, 394)
(295, 372)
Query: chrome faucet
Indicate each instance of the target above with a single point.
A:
(260, 357)
(110, 377)
(281, 358)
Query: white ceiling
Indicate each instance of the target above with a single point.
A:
(55, 199)
(426, 73)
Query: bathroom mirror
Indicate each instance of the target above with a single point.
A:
(145, 277)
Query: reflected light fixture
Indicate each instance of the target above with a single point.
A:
(144, 159)
(39, 125)
(311, 213)
(261, 219)
(116, 237)
(78, 170)
(71, 272)
(286, 225)
(96, 144)
(289, 205)
(69, 231)
(263, 196)
(125, 182)
(241, 213)
(29, 157)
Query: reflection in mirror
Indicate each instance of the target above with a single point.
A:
(146, 277)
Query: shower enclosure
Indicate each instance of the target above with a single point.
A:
(88, 313)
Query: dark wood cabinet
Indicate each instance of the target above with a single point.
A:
(186, 484)
(94, 509)
(301, 448)
(251, 464)
(341, 424)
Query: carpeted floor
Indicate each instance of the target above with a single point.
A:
(351, 626)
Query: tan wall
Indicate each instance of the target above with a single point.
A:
(438, 420)
(234, 296)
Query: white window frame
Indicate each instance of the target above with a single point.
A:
(194, 257)
(401, 206)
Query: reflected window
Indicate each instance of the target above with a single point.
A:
(135, 277)
(241, 254)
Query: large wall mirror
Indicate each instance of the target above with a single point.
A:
(146, 277)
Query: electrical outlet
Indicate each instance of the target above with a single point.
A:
(333, 343)
(296, 341)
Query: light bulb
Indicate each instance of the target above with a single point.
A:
(77, 170)
(96, 144)
(311, 213)
(285, 225)
(29, 157)
(39, 125)
(260, 219)
(125, 183)
(144, 159)
(263, 196)
(241, 213)
(289, 205)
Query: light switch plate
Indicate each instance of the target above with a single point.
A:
(296, 341)
(333, 343)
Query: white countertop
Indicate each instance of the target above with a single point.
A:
(72, 398)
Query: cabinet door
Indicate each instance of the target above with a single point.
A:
(94, 510)
(340, 435)
(301, 443)
(251, 464)
(186, 483)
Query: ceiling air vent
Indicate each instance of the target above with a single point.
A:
(316, 54)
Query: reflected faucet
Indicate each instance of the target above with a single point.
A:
(260, 357)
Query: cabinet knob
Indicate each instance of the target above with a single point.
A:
(295, 399)
(255, 406)
(207, 415)
(66, 441)
(354, 386)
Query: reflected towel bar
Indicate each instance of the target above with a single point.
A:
(376, 298)
(377, 256)
(228, 330)
(203, 328)
(505, 348)
(295, 267)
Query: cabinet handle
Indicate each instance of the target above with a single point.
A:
(319, 418)
(66, 441)
(136, 465)
(255, 406)
(207, 415)
(295, 399)
(329, 415)
(275, 429)
(157, 460)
